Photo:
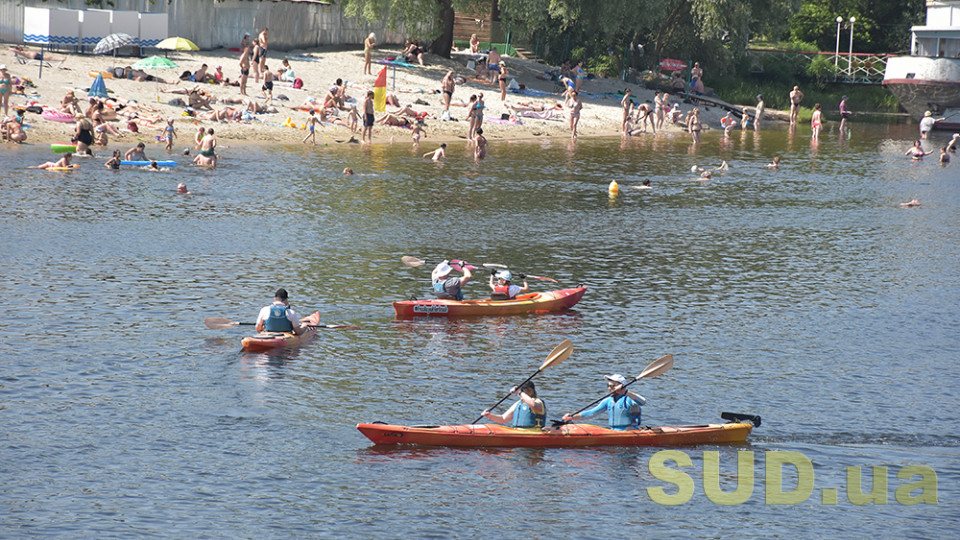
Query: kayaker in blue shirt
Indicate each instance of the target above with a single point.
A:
(278, 317)
(527, 412)
(446, 287)
(623, 406)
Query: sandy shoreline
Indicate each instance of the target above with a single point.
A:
(319, 68)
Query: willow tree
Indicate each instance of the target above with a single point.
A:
(438, 14)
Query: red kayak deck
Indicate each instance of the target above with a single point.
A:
(569, 435)
(265, 341)
(543, 302)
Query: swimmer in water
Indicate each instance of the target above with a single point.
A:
(437, 154)
(775, 164)
(909, 204)
(348, 171)
(645, 184)
(63, 162)
(182, 189)
(114, 162)
(916, 151)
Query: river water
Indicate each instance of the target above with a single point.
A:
(806, 295)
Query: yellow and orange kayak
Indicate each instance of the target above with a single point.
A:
(542, 302)
(264, 341)
(569, 435)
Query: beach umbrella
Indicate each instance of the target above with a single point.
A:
(177, 44)
(113, 42)
(98, 88)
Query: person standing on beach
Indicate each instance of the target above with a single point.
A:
(696, 71)
(447, 86)
(366, 136)
(574, 106)
(312, 127)
(816, 121)
(844, 113)
(493, 63)
(658, 109)
(255, 48)
(169, 133)
(626, 103)
(480, 106)
(472, 118)
(502, 78)
(262, 38)
(759, 113)
(579, 75)
(796, 96)
(368, 45)
(6, 88)
(268, 84)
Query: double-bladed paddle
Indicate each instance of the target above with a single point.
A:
(658, 366)
(457, 264)
(219, 323)
(560, 353)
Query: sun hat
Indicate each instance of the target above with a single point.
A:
(928, 113)
(616, 378)
(3, 66)
(956, 135)
(442, 269)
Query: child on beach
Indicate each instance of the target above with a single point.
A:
(438, 154)
(353, 116)
(169, 133)
(312, 127)
(416, 134)
(268, 84)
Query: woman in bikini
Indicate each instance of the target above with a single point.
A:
(368, 45)
(6, 88)
(391, 119)
(694, 125)
(502, 77)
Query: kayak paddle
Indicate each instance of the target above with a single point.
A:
(457, 264)
(560, 353)
(658, 366)
(219, 323)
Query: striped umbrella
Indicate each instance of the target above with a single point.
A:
(112, 42)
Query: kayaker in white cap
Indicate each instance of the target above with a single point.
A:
(527, 412)
(446, 287)
(623, 405)
(278, 317)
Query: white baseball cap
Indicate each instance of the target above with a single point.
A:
(616, 378)
(442, 269)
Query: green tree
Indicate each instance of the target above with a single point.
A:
(881, 25)
(438, 14)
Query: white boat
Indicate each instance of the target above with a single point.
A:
(929, 78)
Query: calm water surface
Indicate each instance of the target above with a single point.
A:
(805, 295)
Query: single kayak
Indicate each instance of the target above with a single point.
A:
(60, 148)
(564, 436)
(146, 163)
(541, 302)
(264, 341)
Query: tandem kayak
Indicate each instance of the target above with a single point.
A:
(542, 302)
(564, 436)
(264, 341)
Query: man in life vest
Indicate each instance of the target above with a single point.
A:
(446, 287)
(623, 405)
(527, 412)
(502, 289)
(278, 317)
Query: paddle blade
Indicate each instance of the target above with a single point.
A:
(412, 261)
(339, 326)
(560, 353)
(541, 278)
(219, 323)
(494, 265)
(658, 366)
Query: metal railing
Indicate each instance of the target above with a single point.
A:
(859, 68)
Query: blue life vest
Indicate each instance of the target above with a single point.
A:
(440, 289)
(624, 413)
(278, 321)
(524, 417)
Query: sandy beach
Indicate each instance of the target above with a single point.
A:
(418, 87)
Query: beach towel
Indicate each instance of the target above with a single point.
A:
(396, 63)
(496, 120)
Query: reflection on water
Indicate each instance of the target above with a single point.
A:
(805, 294)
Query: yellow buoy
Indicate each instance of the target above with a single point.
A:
(614, 187)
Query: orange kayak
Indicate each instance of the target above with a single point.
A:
(543, 302)
(264, 341)
(569, 435)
